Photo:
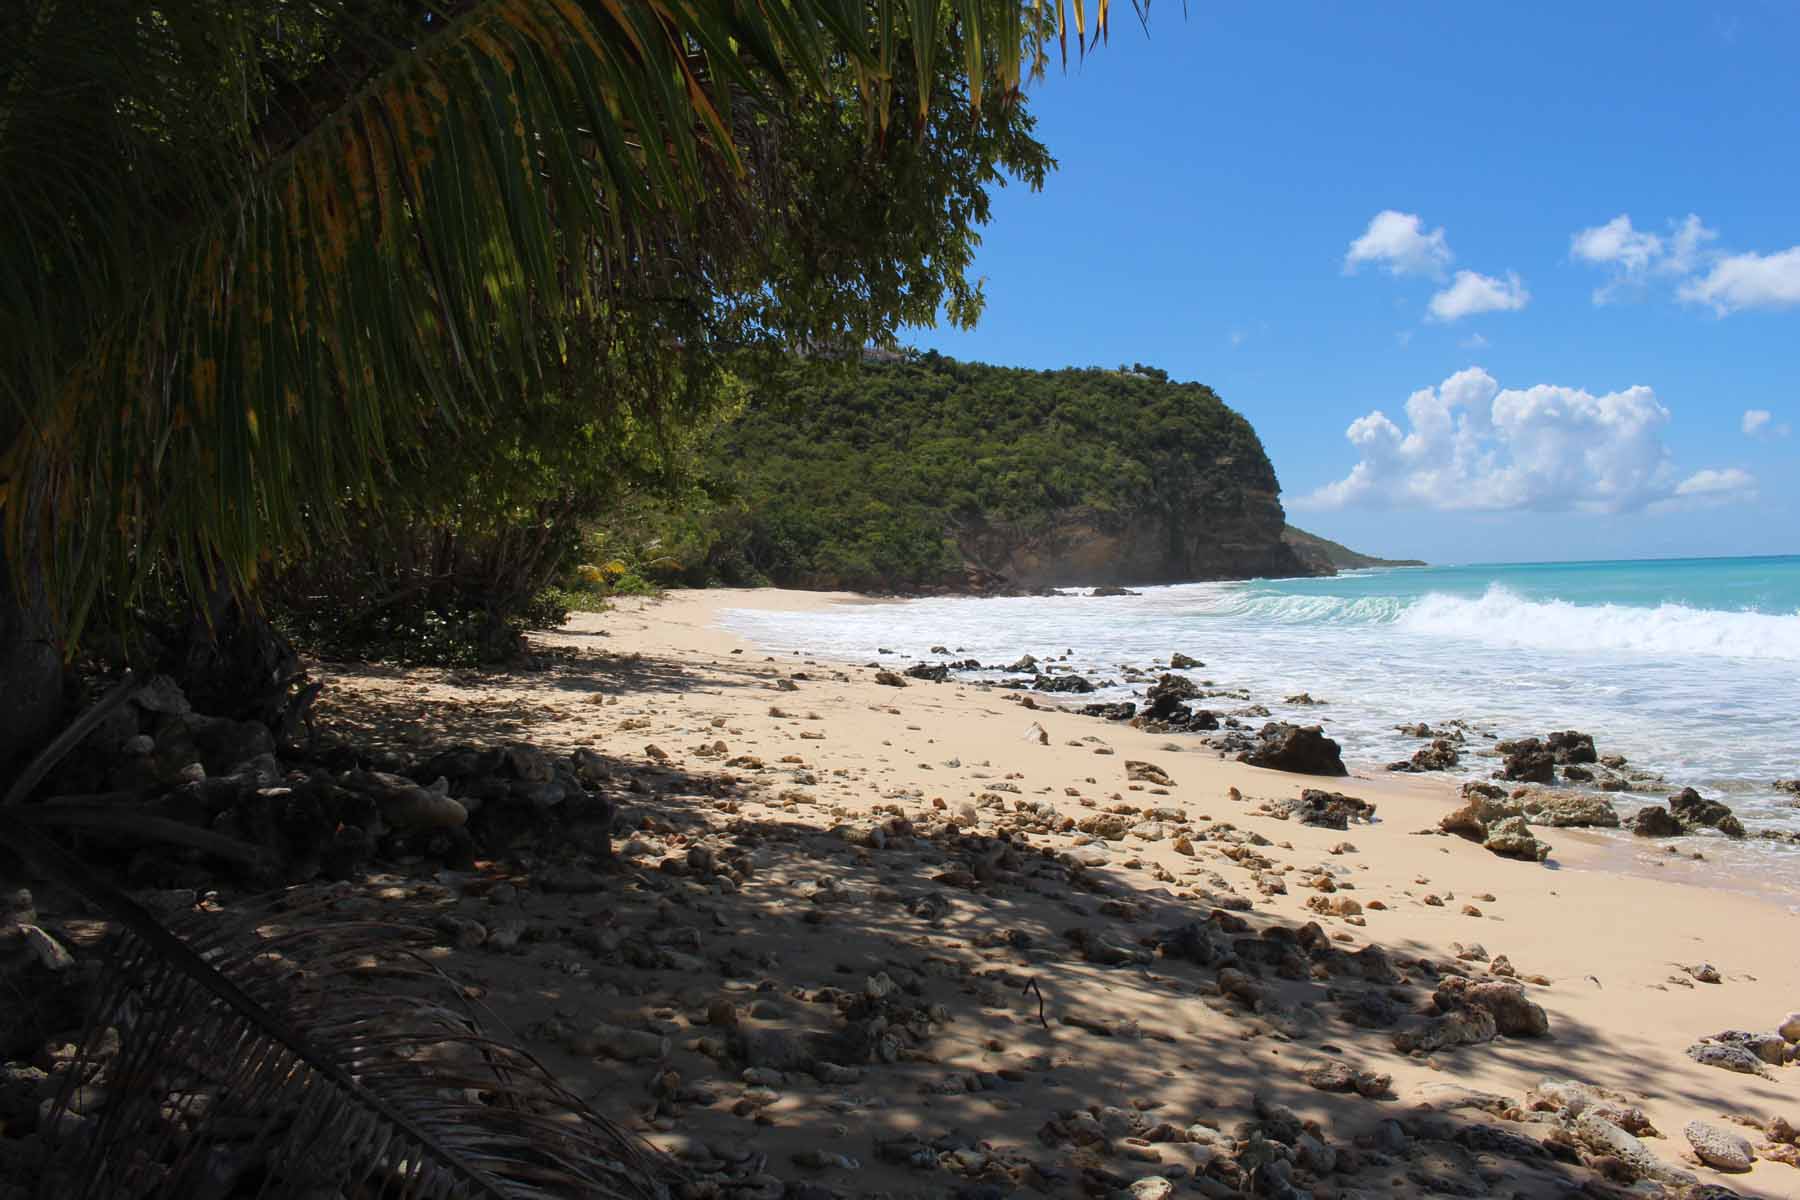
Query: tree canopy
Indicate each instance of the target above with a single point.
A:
(863, 478)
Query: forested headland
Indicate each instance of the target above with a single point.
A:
(916, 472)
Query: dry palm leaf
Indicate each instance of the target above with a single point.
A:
(254, 1057)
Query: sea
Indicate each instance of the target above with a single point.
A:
(1690, 668)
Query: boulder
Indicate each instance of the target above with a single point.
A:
(1512, 838)
(1327, 810)
(1570, 810)
(1164, 699)
(1693, 810)
(1122, 711)
(1062, 683)
(1026, 665)
(1462, 1027)
(1570, 746)
(1790, 1027)
(1603, 1137)
(931, 672)
(1527, 761)
(1181, 662)
(1515, 1014)
(1718, 1148)
(1483, 805)
(1303, 749)
(1654, 820)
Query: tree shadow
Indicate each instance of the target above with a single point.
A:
(970, 991)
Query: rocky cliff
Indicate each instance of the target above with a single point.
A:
(923, 473)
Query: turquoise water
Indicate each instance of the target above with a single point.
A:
(1689, 667)
(1769, 585)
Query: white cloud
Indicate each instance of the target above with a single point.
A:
(1471, 293)
(1471, 445)
(1398, 242)
(1474, 342)
(1741, 281)
(1617, 243)
(1759, 422)
(1710, 484)
(1686, 245)
(1634, 255)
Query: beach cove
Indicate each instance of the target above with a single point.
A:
(897, 844)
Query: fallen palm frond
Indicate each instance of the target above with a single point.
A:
(255, 1056)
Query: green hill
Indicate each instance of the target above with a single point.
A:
(1318, 553)
(916, 472)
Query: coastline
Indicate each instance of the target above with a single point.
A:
(1609, 940)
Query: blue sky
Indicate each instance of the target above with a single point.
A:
(1585, 384)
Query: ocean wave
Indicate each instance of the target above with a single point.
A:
(1502, 617)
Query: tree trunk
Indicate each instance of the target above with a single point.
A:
(31, 668)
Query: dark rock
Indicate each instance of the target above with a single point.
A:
(1328, 810)
(1112, 590)
(1692, 809)
(1576, 774)
(1303, 749)
(1123, 711)
(1441, 755)
(1062, 683)
(1571, 746)
(933, 672)
(889, 679)
(1024, 666)
(1655, 821)
(1181, 662)
(1163, 701)
(1527, 760)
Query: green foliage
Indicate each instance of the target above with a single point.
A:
(870, 475)
(255, 252)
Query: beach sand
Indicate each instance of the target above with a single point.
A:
(816, 753)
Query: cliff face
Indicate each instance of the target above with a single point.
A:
(1086, 548)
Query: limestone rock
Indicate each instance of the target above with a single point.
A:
(1719, 1148)
(1512, 838)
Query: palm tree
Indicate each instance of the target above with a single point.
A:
(246, 248)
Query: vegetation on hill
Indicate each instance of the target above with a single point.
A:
(1320, 553)
(886, 475)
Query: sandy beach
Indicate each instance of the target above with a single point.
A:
(812, 858)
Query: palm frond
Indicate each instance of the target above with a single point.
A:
(256, 1057)
(246, 249)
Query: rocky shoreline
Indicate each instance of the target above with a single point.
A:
(812, 934)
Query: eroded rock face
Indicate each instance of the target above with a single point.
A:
(1233, 536)
(1303, 749)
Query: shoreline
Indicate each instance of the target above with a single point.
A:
(821, 754)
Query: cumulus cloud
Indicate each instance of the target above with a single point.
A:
(1741, 281)
(1759, 422)
(1634, 255)
(1471, 445)
(1398, 242)
(1471, 293)
(1617, 243)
